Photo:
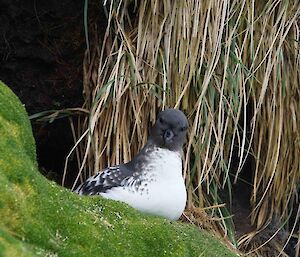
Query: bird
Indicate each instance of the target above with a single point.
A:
(152, 181)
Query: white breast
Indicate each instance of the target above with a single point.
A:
(163, 191)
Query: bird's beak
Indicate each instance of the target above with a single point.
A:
(168, 136)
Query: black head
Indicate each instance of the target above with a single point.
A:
(169, 130)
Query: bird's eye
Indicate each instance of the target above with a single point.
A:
(184, 128)
(161, 120)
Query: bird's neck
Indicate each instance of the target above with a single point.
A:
(151, 145)
(155, 158)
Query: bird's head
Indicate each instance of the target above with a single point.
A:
(169, 130)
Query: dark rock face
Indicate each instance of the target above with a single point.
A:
(42, 46)
(41, 51)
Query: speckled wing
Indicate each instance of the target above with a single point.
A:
(116, 176)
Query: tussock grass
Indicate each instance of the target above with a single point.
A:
(231, 66)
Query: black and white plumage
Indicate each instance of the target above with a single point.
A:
(152, 181)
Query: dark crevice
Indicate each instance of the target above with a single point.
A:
(42, 46)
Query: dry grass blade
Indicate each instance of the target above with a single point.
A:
(232, 67)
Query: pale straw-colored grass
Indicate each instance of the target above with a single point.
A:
(231, 66)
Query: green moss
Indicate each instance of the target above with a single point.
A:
(40, 218)
(10, 246)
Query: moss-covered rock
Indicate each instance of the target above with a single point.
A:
(40, 218)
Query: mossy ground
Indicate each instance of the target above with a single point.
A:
(40, 218)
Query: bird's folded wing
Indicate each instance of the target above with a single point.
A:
(116, 176)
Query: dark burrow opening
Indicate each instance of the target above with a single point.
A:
(42, 48)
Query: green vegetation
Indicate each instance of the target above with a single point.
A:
(40, 218)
